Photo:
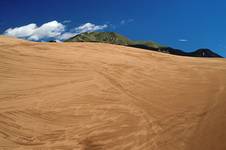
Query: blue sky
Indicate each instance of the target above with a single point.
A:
(183, 24)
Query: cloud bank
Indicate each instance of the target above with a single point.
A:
(53, 29)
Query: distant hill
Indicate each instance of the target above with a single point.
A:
(204, 53)
(112, 38)
(115, 38)
(104, 37)
(197, 53)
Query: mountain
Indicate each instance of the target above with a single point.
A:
(204, 53)
(103, 37)
(110, 37)
(115, 38)
(197, 53)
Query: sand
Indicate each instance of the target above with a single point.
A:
(93, 96)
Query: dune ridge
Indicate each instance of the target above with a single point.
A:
(93, 96)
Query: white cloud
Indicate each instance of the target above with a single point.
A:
(66, 35)
(53, 29)
(183, 40)
(122, 22)
(48, 30)
(67, 21)
(127, 21)
(22, 32)
(33, 32)
(89, 27)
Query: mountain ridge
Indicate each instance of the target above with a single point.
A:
(118, 39)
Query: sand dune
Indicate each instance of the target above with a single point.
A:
(90, 96)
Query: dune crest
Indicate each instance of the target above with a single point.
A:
(92, 96)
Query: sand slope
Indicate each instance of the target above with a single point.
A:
(89, 96)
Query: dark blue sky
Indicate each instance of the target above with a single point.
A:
(201, 23)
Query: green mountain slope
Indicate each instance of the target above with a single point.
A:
(110, 37)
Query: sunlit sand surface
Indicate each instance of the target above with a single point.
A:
(93, 96)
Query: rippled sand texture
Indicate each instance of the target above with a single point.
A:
(90, 96)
